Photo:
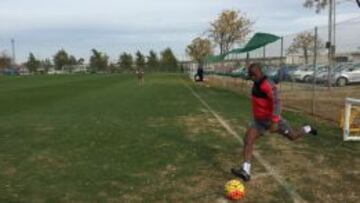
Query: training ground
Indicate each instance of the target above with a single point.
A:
(103, 138)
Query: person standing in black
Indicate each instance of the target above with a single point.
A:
(199, 77)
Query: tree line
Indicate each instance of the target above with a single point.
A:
(99, 62)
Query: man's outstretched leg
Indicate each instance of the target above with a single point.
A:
(285, 129)
(244, 172)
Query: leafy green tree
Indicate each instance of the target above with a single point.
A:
(73, 60)
(46, 64)
(32, 63)
(168, 60)
(229, 28)
(113, 67)
(125, 62)
(61, 59)
(153, 61)
(140, 60)
(5, 61)
(199, 49)
(81, 61)
(98, 61)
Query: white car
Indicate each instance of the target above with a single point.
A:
(306, 73)
(303, 73)
(348, 75)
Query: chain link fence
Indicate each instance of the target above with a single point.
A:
(311, 80)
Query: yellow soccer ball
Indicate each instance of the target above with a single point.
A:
(234, 190)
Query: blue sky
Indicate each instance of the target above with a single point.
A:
(115, 26)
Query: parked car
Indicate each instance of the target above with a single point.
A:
(341, 66)
(347, 75)
(303, 73)
(285, 73)
(272, 73)
(321, 74)
(240, 72)
(9, 71)
(306, 73)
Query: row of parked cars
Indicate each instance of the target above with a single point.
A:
(341, 74)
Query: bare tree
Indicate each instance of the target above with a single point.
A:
(319, 5)
(229, 28)
(304, 43)
(199, 49)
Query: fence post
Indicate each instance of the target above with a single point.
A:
(281, 66)
(264, 52)
(315, 71)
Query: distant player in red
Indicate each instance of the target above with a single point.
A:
(266, 117)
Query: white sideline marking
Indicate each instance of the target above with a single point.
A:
(295, 196)
(260, 175)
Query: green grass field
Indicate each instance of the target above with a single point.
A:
(102, 138)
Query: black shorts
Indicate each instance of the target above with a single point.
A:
(264, 125)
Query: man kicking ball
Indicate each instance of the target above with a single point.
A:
(266, 115)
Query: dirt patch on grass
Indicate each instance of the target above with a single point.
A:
(48, 160)
(10, 172)
(206, 184)
(199, 124)
(202, 124)
(310, 171)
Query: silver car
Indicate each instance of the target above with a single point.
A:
(349, 74)
(322, 75)
(303, 73)
(306, 73)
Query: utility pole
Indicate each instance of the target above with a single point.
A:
(264, 54)
(13, 51)
(315, 70)
(330, 45)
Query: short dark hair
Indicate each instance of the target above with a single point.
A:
(255, 65)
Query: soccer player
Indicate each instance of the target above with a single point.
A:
(266, 117)
(140, 76)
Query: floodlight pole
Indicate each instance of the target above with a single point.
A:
(264, 53)
(315, 70)
(282, 52)
(247, 59)
(330, 44)
(13, 52)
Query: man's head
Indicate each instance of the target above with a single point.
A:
(255, 72)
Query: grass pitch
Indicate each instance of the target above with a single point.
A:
(102, 138)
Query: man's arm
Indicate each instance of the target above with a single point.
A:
(273, 96)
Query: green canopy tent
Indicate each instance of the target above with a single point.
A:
(215, 59)
(257, 41)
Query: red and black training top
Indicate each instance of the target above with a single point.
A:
(265, 100)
